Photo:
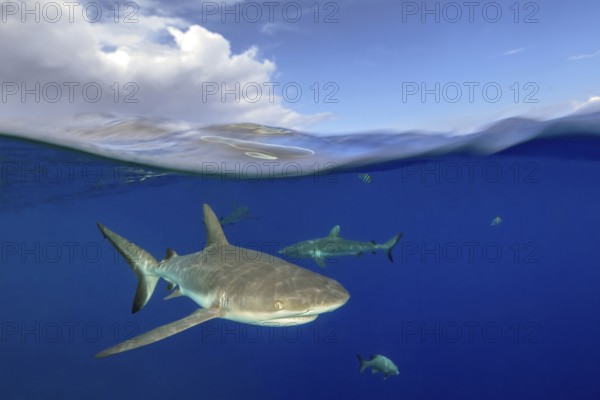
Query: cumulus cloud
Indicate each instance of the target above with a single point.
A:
(158, 67)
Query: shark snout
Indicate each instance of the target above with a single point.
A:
(340, 296)
(334, 297)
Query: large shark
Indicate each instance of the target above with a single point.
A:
(334, 245)
(228, 282)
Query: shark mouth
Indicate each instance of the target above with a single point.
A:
(288, 321)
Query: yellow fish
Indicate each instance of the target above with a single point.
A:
(366, 178)
(496, 221)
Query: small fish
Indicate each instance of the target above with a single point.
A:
(366, 178)
(496, 221)
(378, 363)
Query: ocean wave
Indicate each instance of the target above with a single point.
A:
(259, 151)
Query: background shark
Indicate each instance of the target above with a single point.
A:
(227, 282)
(334, 245)
(238, 214)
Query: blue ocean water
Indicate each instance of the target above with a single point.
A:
(467, 310)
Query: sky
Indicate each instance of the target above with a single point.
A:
(320, 66)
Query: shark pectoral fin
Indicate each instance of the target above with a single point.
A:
(195, 318)
(320, 262)
(175, 293)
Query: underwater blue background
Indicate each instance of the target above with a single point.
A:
(466, 310)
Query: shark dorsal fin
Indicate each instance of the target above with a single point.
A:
(335, 232)
(214, 232)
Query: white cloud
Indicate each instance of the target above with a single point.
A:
(507, 53)
(514, 51)
(584, 56)
(271, 28)
(171, 66)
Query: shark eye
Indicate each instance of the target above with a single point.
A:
(278, 305)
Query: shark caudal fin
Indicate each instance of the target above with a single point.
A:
(363, 363)
(141, 262)
(390, 244)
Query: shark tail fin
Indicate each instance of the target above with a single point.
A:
(390, 244)
(363, 363)
(142, 263)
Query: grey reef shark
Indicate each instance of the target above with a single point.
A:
(334, 245)
(228, 282)
(238, 214)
